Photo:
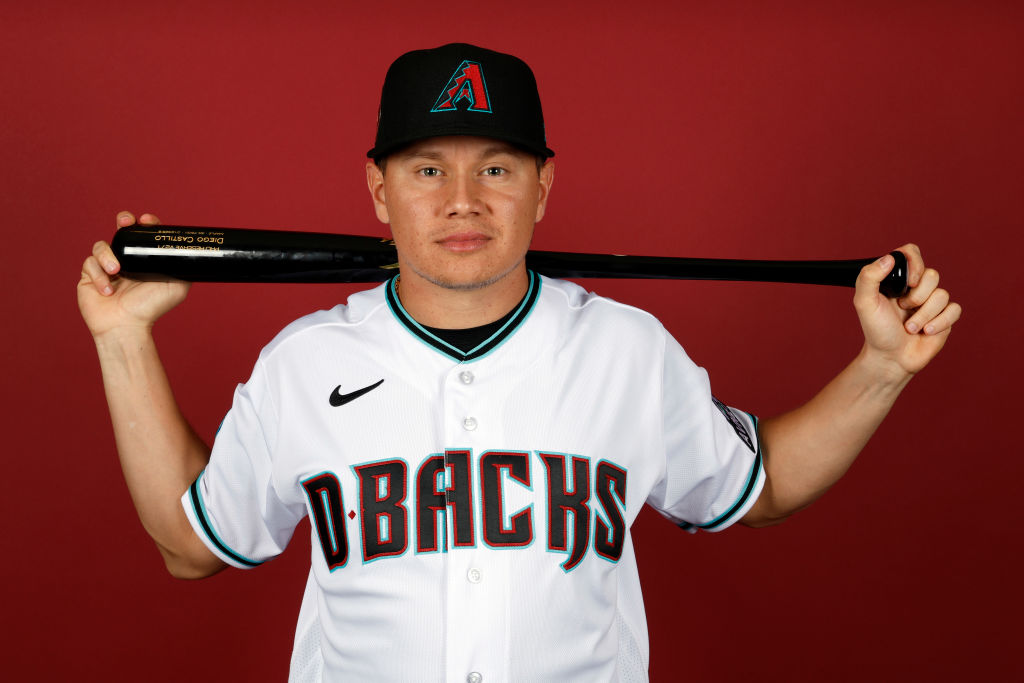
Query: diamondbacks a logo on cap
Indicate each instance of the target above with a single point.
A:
(467, 83)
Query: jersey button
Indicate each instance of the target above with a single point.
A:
(474, 677)
(469, 424)
(475, 575)
(466, 377)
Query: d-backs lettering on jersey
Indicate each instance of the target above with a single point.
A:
(582, 506)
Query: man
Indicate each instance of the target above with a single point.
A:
(472, 441)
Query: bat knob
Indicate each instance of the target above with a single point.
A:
(895, 283)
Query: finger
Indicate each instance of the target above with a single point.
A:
(915, 264)
(124, 219)
(93, 273)
(932, 307)
(869, 279)
(919, 294)
(943, 321)
(104, 256)
(149, 219)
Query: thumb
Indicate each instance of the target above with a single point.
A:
(870, 278)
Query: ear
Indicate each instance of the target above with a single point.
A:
(546, 178)
(375, 182)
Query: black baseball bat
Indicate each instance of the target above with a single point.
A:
(245, 255)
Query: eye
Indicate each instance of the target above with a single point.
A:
(495, 171)
(430, 172)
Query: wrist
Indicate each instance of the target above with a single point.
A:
(881, 371)
(123, 338)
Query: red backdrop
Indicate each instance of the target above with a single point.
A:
(749, 130)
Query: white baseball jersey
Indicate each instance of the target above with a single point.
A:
(470, 513)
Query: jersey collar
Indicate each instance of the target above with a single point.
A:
(520, 315)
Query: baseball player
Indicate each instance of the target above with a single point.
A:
(472, 441)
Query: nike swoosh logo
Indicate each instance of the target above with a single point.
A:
(340, 399)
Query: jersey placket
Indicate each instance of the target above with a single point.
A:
(476, 609)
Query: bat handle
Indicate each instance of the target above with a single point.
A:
(895, 283)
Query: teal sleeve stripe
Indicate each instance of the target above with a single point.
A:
(752, 477)
(200, 509)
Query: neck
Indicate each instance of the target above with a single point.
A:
(436, 306)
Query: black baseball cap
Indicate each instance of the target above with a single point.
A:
(459, 89)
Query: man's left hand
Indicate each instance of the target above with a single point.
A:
(904, 333)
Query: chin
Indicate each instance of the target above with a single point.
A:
(464, 284)
(460, 280)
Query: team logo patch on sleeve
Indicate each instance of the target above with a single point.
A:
(467, 83)
(737, 424)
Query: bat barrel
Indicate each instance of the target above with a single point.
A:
(245, 255)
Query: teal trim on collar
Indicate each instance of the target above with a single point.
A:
(485, 347)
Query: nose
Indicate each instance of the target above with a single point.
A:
(463, 198)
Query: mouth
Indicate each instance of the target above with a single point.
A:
(464, 241)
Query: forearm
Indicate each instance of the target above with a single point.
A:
(810, 448)
(159, 451)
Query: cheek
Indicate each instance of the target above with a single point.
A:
(522, 213)
(405, 214)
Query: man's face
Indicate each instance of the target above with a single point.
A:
(461, 209)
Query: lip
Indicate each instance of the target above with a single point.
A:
(464, 241)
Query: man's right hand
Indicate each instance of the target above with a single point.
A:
(110, 303)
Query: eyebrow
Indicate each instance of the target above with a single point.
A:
(420, 154)
(500, 148)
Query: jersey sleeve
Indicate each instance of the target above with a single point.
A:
(713, 469)
(233, 505)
